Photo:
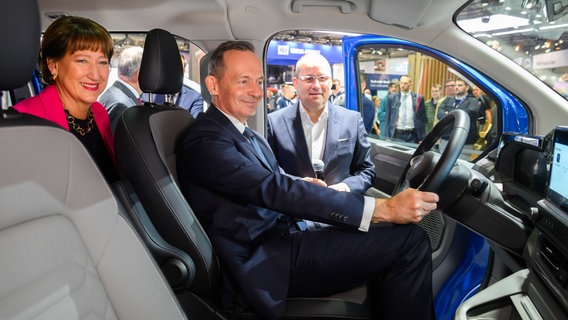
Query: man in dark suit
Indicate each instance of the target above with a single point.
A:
(251, 211)
(405, 114)
(124, 92)
(369, 111)
(464, 101)
(288, 93)
(315, 129)
(335, 90)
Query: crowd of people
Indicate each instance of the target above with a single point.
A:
(404, 115)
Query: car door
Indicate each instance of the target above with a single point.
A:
(372, 62)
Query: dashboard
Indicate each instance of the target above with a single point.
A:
(531, 174)
(551, 219)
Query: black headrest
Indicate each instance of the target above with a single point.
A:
(20, 38)
(161, 70)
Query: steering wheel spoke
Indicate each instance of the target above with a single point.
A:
(427, 170)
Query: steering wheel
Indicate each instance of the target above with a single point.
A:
(426, 169)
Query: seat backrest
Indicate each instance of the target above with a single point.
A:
(146, 146)
(66, 250)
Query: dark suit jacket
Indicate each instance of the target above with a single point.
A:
(470, 104)
(368, 111)
(347, 153)
(393, 104)
(281, 103)
(238, 201)
(116, 99)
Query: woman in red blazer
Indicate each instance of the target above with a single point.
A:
(75, 65)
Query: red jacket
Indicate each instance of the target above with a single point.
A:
(47, 104)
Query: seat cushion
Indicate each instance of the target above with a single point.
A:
(49, 273)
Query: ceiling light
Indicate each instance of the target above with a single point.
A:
(512, 32)
(497, 22)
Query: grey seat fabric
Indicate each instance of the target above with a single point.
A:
(146, 149)
(66, 250)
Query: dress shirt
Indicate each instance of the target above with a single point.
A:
(315, 133)
(405, 114)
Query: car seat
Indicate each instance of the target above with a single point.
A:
(67, 251)
(146, 145)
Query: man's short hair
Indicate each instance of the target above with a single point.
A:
(463, 81)
(216, 64)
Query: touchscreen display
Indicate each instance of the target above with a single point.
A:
(558, 179)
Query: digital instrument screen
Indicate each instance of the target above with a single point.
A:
(558, 178)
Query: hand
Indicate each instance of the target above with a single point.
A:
(340, 187)
(315, 181)
(409, 206)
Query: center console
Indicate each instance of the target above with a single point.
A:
(541, 290)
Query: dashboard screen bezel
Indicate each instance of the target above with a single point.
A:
(558, 197)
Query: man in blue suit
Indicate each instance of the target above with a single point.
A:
(315, 129)
(251, 211)
(405, 114)
(190, 100)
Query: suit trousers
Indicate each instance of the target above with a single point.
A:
(395, 259)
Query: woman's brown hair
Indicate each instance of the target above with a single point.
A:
(69, 34)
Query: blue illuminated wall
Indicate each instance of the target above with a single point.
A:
(287, 53)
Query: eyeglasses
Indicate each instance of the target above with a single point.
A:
(450, 85)
(311, 79)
